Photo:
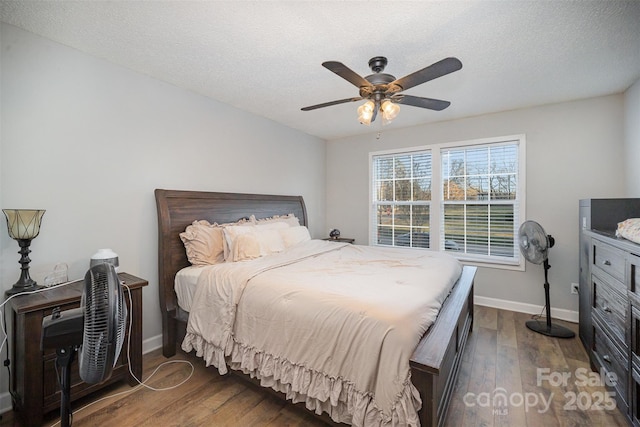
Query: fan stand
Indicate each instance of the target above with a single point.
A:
(64, 359)
(547, 328)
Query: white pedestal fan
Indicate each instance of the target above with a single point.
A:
(534, 245)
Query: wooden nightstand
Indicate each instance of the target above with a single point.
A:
(34, 386)
(340, 239)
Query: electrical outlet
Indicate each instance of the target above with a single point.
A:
(575, 288)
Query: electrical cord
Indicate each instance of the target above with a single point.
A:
(7, 360)
(3, 320)
(538, 316)
(141, 383)
(3, 323)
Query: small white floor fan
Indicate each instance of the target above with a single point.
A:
(534, 245)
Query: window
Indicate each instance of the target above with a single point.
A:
(465, 198)
(402, 197)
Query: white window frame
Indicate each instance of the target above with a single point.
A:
(436, 210)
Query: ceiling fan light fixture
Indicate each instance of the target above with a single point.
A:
(365, 112)
(380, 88)
(390, 111)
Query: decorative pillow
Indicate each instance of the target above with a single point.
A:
(230, 234)
(245, 246)
(203, 243)
(629, 229)
(244, 222)
(252, 242)
(291, 220)
(294, 235)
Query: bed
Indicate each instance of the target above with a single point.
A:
(434, 362)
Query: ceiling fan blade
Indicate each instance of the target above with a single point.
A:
(433, 71)
(346, 73)
(417, 101)
(328, 104)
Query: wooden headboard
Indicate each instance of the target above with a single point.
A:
(177, 209)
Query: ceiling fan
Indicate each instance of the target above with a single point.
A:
(383, 91)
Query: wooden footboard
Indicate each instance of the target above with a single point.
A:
(436, 359)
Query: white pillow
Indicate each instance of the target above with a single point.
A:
(275, 225)
(294, 235)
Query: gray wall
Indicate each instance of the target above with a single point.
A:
(89, 141)
(632, 139)
(574, 151)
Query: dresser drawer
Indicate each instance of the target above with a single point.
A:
(610, 305)
(634, 274)
(635, 336)
(614, 362)
(635, 397)
(609, 259)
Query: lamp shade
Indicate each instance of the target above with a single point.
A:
(23, 224)
(365, 112)
(389, 111)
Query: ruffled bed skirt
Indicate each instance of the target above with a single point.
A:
(337, 397)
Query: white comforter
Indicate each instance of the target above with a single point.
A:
(329, 324)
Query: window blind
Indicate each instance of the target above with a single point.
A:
(480, 198)
(401, 199)
(466, 198)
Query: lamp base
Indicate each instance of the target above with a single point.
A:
(551, 330)
(25, 283)
(18, 289)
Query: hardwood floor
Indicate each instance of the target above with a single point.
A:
(502, 358)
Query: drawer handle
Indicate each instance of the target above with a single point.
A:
(606, 262)
(607, 309)
(606, 358)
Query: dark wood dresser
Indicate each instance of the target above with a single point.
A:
(34, 386)
(610, 299)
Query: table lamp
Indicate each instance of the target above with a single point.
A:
(23, 226)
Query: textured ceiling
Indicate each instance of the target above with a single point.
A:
(265, 57)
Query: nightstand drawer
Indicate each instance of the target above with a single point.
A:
(609, 259)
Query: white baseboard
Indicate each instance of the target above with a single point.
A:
(5, 402)
(151, 344)
(556, 313)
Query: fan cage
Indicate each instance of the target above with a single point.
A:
(533, 242)
(105, 314)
